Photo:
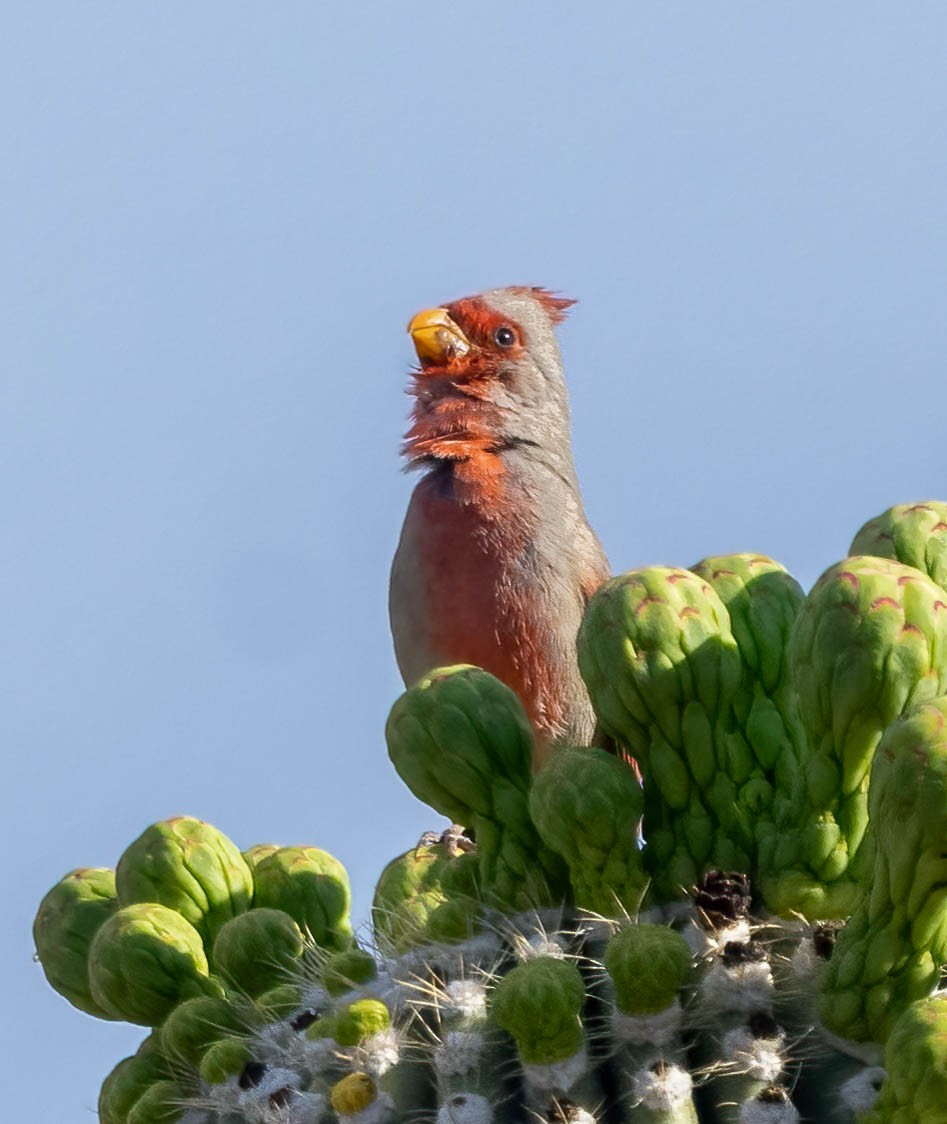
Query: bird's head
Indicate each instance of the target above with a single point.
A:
(489, 377)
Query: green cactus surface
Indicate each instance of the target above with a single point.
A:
(663, 669)
(69, 916)
(145, 960)
(258, 950)
(894, 946)
(311, 886)
(915, 1091)
(586, 805)
(649, 965)
(752, 933)
(128, 1081)
(190, 867)
(915, 534)
(539, 1005)
(407, 893)
(460, 740)
(870, 641)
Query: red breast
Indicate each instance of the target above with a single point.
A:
(496, 560)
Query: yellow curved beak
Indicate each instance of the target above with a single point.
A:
(436, 337)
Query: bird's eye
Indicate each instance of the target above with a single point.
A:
(505, 337)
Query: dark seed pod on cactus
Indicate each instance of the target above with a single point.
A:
(723, 900)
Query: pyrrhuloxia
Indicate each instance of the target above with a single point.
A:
(496, 560)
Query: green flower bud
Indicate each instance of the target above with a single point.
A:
(69, 917)
(586, 805)
(453, 921)
(258, 950)
(648, 964)
(253, 855)
(539, 1004)
(128, 1081)
(762, 602)
(279, 1002)
(360, 1020)
(915, 534)
(323, 1027)
(353, 1094)
(224, 1059)
(663, 671)
(347, 970)
(452, 733)
(460, 876)
(406, 893)
(161, 1103)
(144, 961)
(312, 887)
(190, 867)
(193, 1025)
(461, 741)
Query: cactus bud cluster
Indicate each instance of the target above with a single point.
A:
(754, 932)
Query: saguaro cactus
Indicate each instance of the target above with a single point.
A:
(767, 950)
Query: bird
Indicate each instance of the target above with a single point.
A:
(496, 560)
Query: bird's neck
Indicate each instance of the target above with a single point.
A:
(464, 443)
(478, 482)
(457, 443)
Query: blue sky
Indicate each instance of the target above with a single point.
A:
(216, 221)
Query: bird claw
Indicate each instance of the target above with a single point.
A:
(452, 839)
(456, 841)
